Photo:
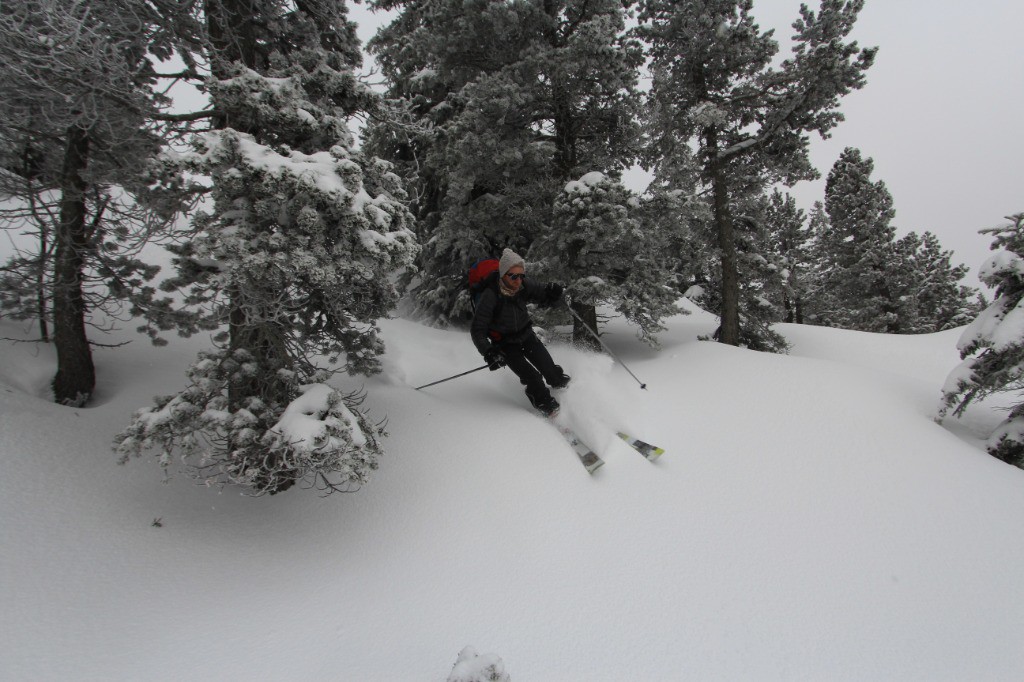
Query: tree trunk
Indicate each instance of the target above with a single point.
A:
(565, 167)
(232, 28)
(234, 40)
(580, 335)
(729, 331)
(44, 331)
(30, 172)
(76, 374)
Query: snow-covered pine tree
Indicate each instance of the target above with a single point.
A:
(761, 274)
(789, 237)
(674, 205)
(601, 246)
(820, 266)
(932, 294)
(992, 346)
(535, 95)
(713, 84)
(856, 248)
(871, 281)
(293, 262)
(475, 667)
(77, 144)
(428, 55)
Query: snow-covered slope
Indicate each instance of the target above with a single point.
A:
(809, 520)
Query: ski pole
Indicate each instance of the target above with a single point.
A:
(605, 346)
(441, 381)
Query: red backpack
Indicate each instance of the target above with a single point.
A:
(481, 273)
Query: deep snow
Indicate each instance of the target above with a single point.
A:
(809, 520)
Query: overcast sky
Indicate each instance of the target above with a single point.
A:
(937, 113)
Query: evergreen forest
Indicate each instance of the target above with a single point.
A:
(306, 200)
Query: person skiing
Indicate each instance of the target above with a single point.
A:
(503, 333)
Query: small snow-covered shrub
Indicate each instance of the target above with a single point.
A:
(266, 445)
(473, 667)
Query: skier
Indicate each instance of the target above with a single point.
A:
(503, 333)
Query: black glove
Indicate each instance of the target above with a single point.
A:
(553, 292)
(495, 359)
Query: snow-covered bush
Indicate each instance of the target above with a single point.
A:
(320, 437)
(473, 667)
(992, 346)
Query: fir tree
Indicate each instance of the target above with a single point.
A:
(293, 260)
(871, 281)
(789, 238)
(858, 246)
(761, 275)
(933, 295)
(598, 227)
(77, 140)
(992, 346)
(855, 248)
(518, 99)
(674, 205)
(713, 84)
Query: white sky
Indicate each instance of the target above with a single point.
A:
(936, 114)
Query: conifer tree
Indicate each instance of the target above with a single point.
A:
(599, 227)
(78, 145)
(858, 287)
(714, 84)
(992, 346)
(789, 238)
(674, 205)
(761, 274)
(932, 293)
(518, 100)
(867, 278)
(293, 261)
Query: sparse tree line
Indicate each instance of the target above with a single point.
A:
(501, 123)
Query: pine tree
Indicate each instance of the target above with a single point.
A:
(518, 99)
(471, 187)
(78, 144)
(761, 273)
(992, 346)
(673, 204)
(789, 238)
(293, 261)
(713, 84)
(933, 296)
(868, 279)
(598, 226)
(858, 245)
(817, 296)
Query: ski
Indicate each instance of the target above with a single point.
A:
(588, 458)
(651, 452)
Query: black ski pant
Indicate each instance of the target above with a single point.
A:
(532, 363)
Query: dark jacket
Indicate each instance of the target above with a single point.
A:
(509, 320)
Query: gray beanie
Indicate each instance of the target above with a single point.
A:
(509, 259)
